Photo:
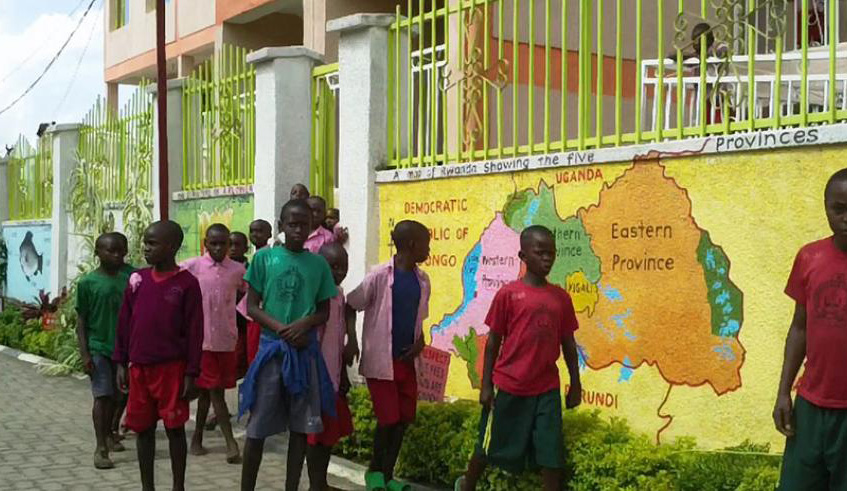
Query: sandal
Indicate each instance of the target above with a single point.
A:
(375, 481)
(395, 485)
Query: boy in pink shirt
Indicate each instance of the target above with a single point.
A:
(319, 235)
(395, 298)
(336, 354)
(220, 280)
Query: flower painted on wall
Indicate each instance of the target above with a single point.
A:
(205, 219)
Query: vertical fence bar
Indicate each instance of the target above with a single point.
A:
(410, 100)
(751, 69)
(702, 93)
(598, 118)
(516, 37)
(443, 86)
(563, 114)
(659, 124)
(618, 73)
(832, 31)
(433, 114)
(583, 85)
(486, 57)
(460, 107)
(500, 58)
(639, 92)
(421, 127)
(547, 76)
(530, 87)
(395, 31)
(680, 85)
(804, 71)
(393, 58)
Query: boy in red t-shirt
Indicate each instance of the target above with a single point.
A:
(530, 320)
(816, 422)
(160, 336)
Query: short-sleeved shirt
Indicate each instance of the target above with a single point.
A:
(818, 282)
(220, 283)
(405, 299)
(98, 301)
(533, 322)
(291, 284)
(331, 336)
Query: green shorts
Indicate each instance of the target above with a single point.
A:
(816, 456)
(522, 432)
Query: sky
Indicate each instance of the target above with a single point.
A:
(31, 33)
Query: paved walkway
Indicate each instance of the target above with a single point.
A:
(47, 443)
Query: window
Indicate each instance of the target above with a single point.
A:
(120, 13)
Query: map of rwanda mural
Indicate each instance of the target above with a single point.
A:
(622, 260)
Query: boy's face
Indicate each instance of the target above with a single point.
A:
(299, 191)
(539, 255)
(158, 248)
(260, 233)
(420, 247)
(836, 210)
(296, 224)
(338, 264)
(111, 253)
(332, 218)
(217, 244)
(318, 211)
(238, 246)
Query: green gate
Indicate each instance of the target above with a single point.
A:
(323, 171)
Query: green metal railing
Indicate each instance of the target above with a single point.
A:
(468, 82)
(112, 142)
(219, 122)
(30, 179)
(323, 170)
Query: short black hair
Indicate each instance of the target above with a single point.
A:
(219, 228)
(263, 223)
(533, 232)
(316, 198)
(332, 249)
(839, 176)
(240, 235)
(406, 231)
(294, 204)
(301, 185)
(171, 230)
(117, 236)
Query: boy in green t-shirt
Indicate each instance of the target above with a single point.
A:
(287, 386)
(99, 296)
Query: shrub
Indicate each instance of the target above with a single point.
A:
(601, 454)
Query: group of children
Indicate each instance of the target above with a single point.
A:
(169, 333)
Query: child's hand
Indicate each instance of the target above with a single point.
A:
(351, 353)
(574, 397)
(122, 381)
(296, 334)
(486, 396)
(189, 390)
(87, 364)
(414, 350)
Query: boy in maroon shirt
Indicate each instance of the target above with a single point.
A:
(816, 422)
(160, 336)
(530, 320)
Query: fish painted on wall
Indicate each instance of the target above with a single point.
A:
(31, 261)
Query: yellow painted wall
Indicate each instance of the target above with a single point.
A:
(756, 209)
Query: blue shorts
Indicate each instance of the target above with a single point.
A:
(103, 378)
(276, 411)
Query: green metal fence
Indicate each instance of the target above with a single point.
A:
(30, 179)
(112, 143)
(480, 79)
(219, 122)
(324, 166)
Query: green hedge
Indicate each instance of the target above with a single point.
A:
(601, 454)
(58, 344)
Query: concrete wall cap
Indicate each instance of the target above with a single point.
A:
(272, 53)
(58, 128)
(173, 84)
(360, 21)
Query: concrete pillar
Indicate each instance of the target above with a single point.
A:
(363, 113)
(112, 96)
(174, 145)
(185, 65)
(65, 143)
(283, 124)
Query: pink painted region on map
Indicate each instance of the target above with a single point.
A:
(492, 263)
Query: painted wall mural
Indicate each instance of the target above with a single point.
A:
(195, 216)
(29, 256)
(676, 265)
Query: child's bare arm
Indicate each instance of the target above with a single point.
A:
(254, 310)
(574, 396)
(82, 340)
(351, 349)
(795, 353)
(492, 349)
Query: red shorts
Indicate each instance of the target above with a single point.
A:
(395, 401)
(334, 428)
(217, 370)
(155, 394)
(254, 334)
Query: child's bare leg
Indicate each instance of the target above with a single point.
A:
(146, 446)
(179, 452)
(395, 443)
(317, 459)
(476, 467)
(117, 414)
(233, 456)
(253, 450)
(296, 455)
(102, 420)
(202, 413)
(551, 479)
(382, 438)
